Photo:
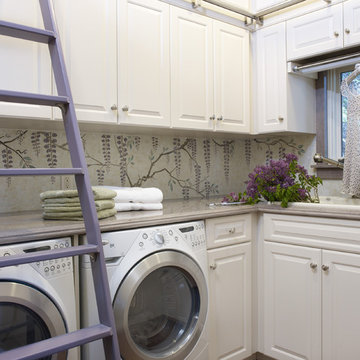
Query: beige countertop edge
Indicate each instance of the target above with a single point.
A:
(29, 226)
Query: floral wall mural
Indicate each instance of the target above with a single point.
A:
(182, 167)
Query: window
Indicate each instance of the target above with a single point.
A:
(332, 117)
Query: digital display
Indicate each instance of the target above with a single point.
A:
(41, 248)
(187, 229)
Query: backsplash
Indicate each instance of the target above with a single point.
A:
(181, 167)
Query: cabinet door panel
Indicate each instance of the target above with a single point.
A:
(341, 299)
(230, 302)
(231, 64)
(192, 98)
(351, 23)
(292, 302)
(315, 33)
(271, 79)
(89, 48)
(24, 65)
(144, 65)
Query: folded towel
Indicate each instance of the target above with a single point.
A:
(136, 194)
(100, 193)
(76, 215)
(68, 207)
(137, 206)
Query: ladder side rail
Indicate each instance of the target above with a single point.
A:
(101, 284)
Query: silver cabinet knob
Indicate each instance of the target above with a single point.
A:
(213, 266)
(313, 266)
(212, 117)
(347, 31)
(220, 118)
(232, 231)
(336, 34)
(280, 118)
(114, 107)
(105, 242)
(325, 267)
(328, 1)
(125, 108)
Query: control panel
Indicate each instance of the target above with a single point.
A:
(47, 268)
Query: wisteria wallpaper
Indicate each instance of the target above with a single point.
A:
(182, 167)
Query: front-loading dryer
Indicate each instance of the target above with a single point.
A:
(37, 300)
(159, 290)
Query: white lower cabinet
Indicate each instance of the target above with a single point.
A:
(311, 297)
(292, 302)
(230, 292)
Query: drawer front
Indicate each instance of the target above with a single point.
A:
(326, 233)
(228, 230)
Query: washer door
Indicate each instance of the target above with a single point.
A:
(160, 307)
(26, 316)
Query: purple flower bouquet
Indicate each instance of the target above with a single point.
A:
(282, 180)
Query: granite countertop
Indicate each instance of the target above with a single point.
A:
(29, 226)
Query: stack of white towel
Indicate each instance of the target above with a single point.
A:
(136, 198)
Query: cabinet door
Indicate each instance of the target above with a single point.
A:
(232, 88)
(292, 302)
(88, 36)
(271, 79)
(192, 87)
(351, 23)
(230, 302)
(238, 4)
(315, 33)
(144, 65)
(24, 65)
(264, 4)
(341, 299)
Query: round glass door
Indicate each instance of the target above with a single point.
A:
(20, 326)
(27, 316)
(163, 316)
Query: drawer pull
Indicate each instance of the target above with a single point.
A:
(313, 266)
(336, 34)
(325, 267)
(232, 230)
(213, 266)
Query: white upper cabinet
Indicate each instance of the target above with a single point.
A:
(315, 33)
(240, 4)
(88, 36)
(192, 84)
(271, 75)
(282, 101)
(264, 4)
(231, 84)
(24, 65)
(351, 23)
(209, 74)
(144, 65)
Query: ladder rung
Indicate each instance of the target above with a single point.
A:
(33, 99)
(57, 344)
(40, 171)
(26, 32)
(26, 258)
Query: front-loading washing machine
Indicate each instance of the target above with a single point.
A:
(37, 300)
(159, 291)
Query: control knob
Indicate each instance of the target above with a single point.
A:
(159, 238)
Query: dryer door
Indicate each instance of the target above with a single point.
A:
(26, 316)
(160, 307)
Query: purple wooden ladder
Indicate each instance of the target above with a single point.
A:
(106, 330)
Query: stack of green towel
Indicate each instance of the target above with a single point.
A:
(65, 204)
